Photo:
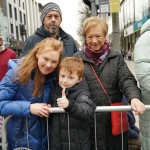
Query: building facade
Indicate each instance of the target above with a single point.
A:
(33, 11)
(15, 11)
(133, 14)
(4, 27)
(23, 18)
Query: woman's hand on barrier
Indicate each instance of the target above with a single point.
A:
(137, 106)
(40, 109)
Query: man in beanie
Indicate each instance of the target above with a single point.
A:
(51, 18)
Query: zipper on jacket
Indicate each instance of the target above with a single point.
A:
(68, 131)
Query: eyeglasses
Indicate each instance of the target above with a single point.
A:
(51, 16)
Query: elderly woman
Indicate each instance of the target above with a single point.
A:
(116, 78)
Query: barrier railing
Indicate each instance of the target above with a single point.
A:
(59, 110)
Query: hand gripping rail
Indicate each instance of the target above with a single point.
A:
(59, 110)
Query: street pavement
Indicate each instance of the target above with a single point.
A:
(132, 69)
(131, 66)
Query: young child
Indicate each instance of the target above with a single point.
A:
(71, 130)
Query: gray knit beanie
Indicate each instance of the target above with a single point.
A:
(50, 7)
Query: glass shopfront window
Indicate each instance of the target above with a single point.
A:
(145, 8)
(125, 14)
(141, 9)
(127, 11)
(121, 18)
(137, 35)
(131, 15)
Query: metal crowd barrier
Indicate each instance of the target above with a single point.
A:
(59, 110)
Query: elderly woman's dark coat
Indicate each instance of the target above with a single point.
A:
(117, 79)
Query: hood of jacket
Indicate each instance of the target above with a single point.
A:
(145, 27)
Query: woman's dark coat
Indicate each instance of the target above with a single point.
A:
(117, 79)
(72, 128)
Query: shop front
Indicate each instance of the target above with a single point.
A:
(128, 39)
(138, 25)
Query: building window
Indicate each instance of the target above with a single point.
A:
(15, 12)
(11, 27)
(20, 17)
(19, 2)
(23, 5)
(10, 11)
(17, 35)
(24, 19)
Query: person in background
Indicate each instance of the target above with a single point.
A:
(5, 54)
(116, 78)
(51, 17)
(24, 93)
(123, 54)
(72, 129)
(133, 131)
(142, 70)
(129, 54)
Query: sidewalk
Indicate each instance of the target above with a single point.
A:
(132, 69)
(131, 66)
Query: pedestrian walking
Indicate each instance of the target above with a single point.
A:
(129, 54)
(51, 17)
(122, 53)
(108, 66)
(24, 93)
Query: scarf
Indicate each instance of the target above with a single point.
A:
(97, 56)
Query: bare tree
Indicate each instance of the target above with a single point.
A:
(84, 13)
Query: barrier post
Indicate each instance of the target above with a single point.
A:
(4, 133)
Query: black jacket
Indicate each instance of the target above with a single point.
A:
(117, 79)
(72, 128)
(69, 44)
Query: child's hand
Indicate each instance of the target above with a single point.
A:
(63, 102)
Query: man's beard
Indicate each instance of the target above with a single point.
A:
(53, 31)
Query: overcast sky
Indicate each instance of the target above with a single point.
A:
(69, 10)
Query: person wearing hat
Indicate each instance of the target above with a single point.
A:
(51, 17)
